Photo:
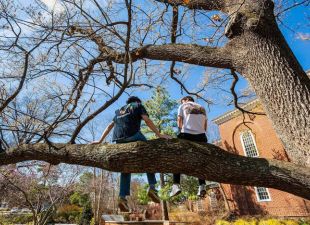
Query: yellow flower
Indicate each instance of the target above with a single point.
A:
(222, 222)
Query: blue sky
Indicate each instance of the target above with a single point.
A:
(298, 17)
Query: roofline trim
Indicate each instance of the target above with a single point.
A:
(233, 113)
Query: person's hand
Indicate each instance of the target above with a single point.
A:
(165, 136)
(94, 143)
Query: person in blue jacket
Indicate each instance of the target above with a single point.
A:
(127, 128)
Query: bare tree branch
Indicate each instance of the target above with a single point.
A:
(196, 4)
(233, 92)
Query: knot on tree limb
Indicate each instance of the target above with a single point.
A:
(234, 27)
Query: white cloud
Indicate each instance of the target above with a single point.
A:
(303, 36)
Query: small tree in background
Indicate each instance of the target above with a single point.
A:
(162, 110)
(87, 214)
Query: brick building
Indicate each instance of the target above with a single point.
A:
(253, 136)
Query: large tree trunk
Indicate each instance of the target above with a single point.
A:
(275, 74)
(284, 90)
(205, 161)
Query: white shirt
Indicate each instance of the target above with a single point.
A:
(194, 118)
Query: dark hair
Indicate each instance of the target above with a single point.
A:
(132, 99)
(188, 98)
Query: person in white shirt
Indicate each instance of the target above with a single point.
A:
(192, 122)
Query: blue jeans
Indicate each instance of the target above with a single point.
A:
(126, 177)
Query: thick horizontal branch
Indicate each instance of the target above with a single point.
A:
(187, 53)
(205, 161)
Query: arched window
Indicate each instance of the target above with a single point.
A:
(248, 144)
(262, 194)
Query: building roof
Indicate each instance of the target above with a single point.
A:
(236, 112)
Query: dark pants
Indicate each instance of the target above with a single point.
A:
(126, 177)
(190, 137)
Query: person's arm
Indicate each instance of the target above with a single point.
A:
(152, 126)
(180, 122)
(180, 117)
(104, 134)
(206, 125)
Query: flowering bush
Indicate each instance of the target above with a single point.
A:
(222, 222)
(262, 222)
(245, 222)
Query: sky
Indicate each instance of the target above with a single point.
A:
(301, 48)
(296, 18)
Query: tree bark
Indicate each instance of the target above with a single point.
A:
(205, 161)
(276, 76)
(284, 90)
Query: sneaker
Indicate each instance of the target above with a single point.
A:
(202, 191)
(176, 190)
(153, 194)
(122, 204)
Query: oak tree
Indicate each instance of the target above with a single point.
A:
(87, 58)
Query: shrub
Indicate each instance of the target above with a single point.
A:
(186, 216)
(253, 221)
(290, 222)
(87, 214)
(302, 222)
(92, 221)
(68, 213)
(271, 222)
(16, 219)
(222, 222)
(244, 222)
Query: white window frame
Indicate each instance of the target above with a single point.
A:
(241, 139)
(263, 200)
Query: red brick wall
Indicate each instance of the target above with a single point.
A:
(242, 198)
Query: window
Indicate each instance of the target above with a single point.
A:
(248, 144)
(262, 194)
